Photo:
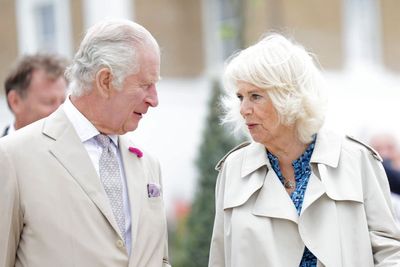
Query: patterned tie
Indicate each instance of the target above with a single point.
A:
(111, 179)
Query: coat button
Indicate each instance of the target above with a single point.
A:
(120, 243)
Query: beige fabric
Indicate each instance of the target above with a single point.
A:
(346, 219)
(54, 211)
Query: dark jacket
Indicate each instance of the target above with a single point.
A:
(393, 176)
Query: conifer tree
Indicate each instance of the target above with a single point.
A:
(216, 143)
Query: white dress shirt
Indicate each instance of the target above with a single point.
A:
(11, 128)
(86, 132)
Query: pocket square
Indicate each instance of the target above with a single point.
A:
(153, 190)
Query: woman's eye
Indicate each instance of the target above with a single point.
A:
(255, 97)
(240, 98)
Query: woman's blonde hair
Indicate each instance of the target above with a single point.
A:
(290, 77)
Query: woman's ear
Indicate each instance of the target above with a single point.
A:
(104, 82)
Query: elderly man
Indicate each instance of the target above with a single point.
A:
(35, 87)
(75, 191)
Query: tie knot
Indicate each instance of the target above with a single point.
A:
(103, 140)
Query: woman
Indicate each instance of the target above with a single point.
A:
(296, 195)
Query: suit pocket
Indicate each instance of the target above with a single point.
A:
(155, 202)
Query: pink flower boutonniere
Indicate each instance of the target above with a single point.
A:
(136, 151)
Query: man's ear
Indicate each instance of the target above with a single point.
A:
(104, 82)
(15, 101)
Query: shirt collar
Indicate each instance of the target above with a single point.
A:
(83, 127)
(11, 128)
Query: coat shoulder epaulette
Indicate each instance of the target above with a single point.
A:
(373, 151)
(219, 164)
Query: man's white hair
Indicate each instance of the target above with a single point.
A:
(289, 76)
(111, 44)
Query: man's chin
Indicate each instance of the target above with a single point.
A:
(129, 128)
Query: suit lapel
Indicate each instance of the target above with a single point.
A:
(136, 183)
(70, 152)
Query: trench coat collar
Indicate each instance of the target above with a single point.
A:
(326, 151)
(327, 148)
(254, 158)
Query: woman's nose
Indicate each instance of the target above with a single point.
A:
(245, 108)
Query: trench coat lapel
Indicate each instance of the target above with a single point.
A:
(257, 174)
(136, 183)
(68, 149)
(318, 222)
(273, 200)
(321, 235)
(315, 189)
(326, 153)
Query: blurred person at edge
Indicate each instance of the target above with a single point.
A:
(387, 147)
(297, 194)
(76, 191)
(35, 87)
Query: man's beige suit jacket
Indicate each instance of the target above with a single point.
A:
(53, 208)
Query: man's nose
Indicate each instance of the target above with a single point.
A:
(152, 97)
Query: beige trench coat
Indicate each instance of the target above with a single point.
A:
(346, 218)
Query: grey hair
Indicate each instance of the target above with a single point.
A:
(290, 77)
(111, 44)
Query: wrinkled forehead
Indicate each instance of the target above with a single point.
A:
(149, 64)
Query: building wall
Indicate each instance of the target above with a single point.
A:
(315, 24)
(77, 27)
(390, 23)
(177, 26)
(9, 42)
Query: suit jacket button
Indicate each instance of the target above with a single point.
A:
(120, 243)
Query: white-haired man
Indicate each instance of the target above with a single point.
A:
(74, 190)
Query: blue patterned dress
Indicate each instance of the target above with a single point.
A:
(302, 172)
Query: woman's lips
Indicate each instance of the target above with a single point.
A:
(251, 125)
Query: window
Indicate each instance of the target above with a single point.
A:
(46, 28)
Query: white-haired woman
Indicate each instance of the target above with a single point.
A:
(297, 195)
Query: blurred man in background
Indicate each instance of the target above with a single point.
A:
(35, 87)
(387, 146)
